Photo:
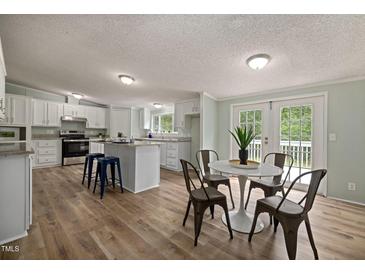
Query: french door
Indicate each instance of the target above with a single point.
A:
(294, 126)
(256, 117)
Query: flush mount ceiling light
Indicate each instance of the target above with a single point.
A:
(157, 105)
(77, 95)
(258, 61)
(126, 79)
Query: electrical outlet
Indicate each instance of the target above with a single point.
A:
(351, 186)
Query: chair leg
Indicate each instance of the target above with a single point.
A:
(276, 223)
(225, 207)
(212, 211)
(85, 166)
(248, 196)
(120, 176)
(310, 236)
(282, 191)
(291, 238)
(112, 171)
(96, 176)
(89, 172)
(254, 221)
(198, 220)
(230, 193)
(102, 180)
(187, 212)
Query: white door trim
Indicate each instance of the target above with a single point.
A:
(293, 97)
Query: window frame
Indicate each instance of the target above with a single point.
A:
(159, 122)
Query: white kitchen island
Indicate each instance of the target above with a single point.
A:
(139, 162)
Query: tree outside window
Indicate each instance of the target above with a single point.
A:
(162, 123)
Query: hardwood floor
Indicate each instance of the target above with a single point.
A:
(69, 222)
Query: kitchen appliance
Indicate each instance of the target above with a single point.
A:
(74, 147)
(9, 134)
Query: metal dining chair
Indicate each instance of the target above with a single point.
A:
(203, 157)
(274, 185)
(202, 198)
(291, 214)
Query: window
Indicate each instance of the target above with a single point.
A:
(162, 123)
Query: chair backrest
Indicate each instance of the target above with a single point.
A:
(203, 157)
(279, 161)
(316, 178)
(188, 181)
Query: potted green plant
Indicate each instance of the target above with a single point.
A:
(243, 137)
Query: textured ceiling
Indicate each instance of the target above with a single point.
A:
(173, 56)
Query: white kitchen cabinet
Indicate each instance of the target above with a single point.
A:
(172, 152)
(46, 113)
(16, 110)
(185, 108)
(163, 150)
(179, 116)
(120, 121)
(96, 117)
(96, 147)
(74, 110)
(15, 197)
(145, 118)
(47, 153)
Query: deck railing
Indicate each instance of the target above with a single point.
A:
(301, 152)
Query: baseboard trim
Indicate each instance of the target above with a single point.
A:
(344, 200)
(24, 234)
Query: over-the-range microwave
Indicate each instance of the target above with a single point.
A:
(9, 134)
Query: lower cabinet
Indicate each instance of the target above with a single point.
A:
(47, 153)
(96, 147)
(172, 152)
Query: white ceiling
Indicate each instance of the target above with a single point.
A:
(174, 56)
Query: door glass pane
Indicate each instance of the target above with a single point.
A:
(296, 138)
(252, 119)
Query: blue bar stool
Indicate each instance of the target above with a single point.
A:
(89, 160)
(101, 172)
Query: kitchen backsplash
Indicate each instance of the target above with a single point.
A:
(36, 131)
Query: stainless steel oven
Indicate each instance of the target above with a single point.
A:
(74, 147)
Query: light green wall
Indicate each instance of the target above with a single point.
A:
(346, 118)
(209, 117)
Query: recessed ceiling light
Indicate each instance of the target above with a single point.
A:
(126, 79)
(157, 105)
(258, 61)
(77, 95)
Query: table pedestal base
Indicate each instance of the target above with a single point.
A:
(241, 221)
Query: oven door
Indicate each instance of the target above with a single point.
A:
(74, 148)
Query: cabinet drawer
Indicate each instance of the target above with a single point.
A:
(47, 151)
(47, 143)
(172, 163)
(172, 146)
(172, 153)
(47, 159)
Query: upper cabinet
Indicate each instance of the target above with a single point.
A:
(74, 110)
(96, 117)
(182, 109)
(2, 85)
(145, 118)
(46, 114)
(16, 110)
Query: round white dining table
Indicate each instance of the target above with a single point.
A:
(241, 221)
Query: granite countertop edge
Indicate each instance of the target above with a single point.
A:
(19, 149)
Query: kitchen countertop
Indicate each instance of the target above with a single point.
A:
(135, 144)
(168, 139)
(9, 149)
(46, 137)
